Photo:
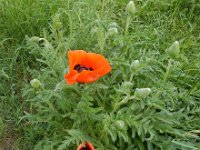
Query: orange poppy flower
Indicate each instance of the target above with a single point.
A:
(88, 146)
(86, 67)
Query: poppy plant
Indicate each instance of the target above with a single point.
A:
(88, 146)
(86, 67)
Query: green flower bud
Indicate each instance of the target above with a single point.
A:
(119, 124)
(142, 92)
(126, 86)
(174, 50)
(56, 22)
(135, 64)
(35, 83)
(112, 25)
(48, 46)
(94, 30)
(130, 7)
(112, 31)
(58, 25)
(34, 39)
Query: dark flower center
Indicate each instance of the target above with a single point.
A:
(85, 148)
(80, 68)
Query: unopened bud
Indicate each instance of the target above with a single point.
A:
(112, 31)
(119, 124)
(174, 50)
(56, 21)
(34, 39)
(142, 92)
(58, 25)
(126, 86)
(130, 7)
(112, 25)
(135, 64)
(48, 46)
(35, 83)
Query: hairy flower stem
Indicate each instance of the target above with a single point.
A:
(167, 70)
(128, 21)
(124, 101)
(102, 7)
(102, 37)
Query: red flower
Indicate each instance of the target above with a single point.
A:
(86, 67)
(88, 146)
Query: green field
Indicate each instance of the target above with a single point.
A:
(149, 101)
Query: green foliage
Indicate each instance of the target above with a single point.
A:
(107, 113)
(1, 126)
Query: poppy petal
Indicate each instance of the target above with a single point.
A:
(88, 146)
(96, 61)
(76, 57)
(102, 70)
(80, 146)
(71, 77)
(87, 76)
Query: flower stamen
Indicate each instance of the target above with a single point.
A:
(80, 68)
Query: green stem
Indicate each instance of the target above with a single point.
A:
(124, 101)
(102, 7)
(167, 70)
(128, 21)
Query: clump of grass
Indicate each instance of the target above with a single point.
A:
(109, 112)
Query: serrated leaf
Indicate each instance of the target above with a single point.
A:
(64, 144)
(185, 144)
